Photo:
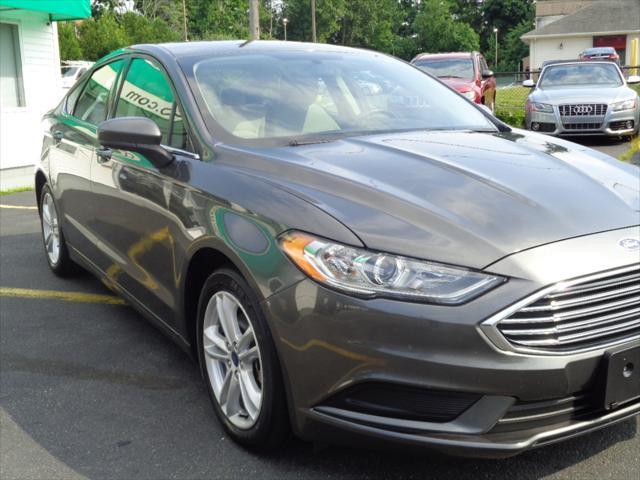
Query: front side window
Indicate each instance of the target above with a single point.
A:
(146, 92)
(92, 104)
(583, 74)
(11, 85)
(284, 95)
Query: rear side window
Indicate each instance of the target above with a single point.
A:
(146, 92)
(92, 104)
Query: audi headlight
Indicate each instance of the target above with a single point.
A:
(471, 95)
(626, 105)
(541, 107)
(372, 274)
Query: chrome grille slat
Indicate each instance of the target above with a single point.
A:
(582, 336)
(574, 315)
(574, 326)
(595, 285)
(558, 305)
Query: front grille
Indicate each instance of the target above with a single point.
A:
(601, 310)
(545, 413)
(582, 126)
(583, 110)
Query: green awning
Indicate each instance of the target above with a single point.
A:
(57, 9)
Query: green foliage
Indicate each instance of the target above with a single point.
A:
(69, 44)
(399, 27)
(515, 118)
(101, 36)
(438, 31)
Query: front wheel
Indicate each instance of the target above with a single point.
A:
(52, 236)
(239, 362)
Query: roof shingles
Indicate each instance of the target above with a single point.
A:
(601, 16)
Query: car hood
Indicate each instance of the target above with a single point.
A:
(459, 84)
(457, 197)
(558, 96)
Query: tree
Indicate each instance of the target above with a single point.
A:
(140, 29)
(507, 14)
(69, 44)
(101, 36)
(514, 49)
(436, 29)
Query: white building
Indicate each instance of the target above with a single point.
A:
(564, 28)
(30, 81)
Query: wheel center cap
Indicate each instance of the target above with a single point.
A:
(235, 359)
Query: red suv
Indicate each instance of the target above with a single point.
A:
(466, 72)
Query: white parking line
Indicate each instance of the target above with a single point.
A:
(19, 207)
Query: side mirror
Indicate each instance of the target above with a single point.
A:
(633, 79)
(136, 134)
(487, 73)
(529, 83)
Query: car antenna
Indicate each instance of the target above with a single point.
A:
(243, 44)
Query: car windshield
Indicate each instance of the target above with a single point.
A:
(585, 74)
(451, 67)
(257, 96)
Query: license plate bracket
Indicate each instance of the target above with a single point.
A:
(622, 381)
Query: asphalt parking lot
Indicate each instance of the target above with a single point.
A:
(89, 389)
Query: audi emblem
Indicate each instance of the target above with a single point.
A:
(582, 109)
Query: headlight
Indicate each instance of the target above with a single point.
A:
(540, 107)
(626, 105)
(471, 95)
(371, 274)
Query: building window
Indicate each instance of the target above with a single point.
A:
(11, 88)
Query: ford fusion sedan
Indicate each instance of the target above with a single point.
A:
(467, 73)
(583, 98)
(350, 250)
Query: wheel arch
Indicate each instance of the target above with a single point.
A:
(40, 181)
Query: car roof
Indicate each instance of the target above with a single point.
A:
(599, 49)
(422, 56)
(217, 47)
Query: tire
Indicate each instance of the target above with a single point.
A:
(492, 106)
(268, 427)
(55, 246)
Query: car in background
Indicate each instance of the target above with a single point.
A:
(582, 98)
(601, 53)
(466, 72)
(72, 71)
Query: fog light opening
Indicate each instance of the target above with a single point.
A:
(535, 126)
(629, 124)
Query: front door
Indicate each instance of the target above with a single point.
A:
(136, 215)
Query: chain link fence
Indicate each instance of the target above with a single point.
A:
(511, 96)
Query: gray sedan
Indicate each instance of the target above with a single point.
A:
(583, 98)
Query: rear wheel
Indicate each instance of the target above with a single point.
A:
(239, 362)
(52, 236)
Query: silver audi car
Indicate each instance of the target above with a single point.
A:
(583, 98)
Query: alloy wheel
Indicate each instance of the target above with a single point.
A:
(232, 359)
(50, 229)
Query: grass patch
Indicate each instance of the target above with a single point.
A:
(15, 190)
(512, 98)
(635, 148)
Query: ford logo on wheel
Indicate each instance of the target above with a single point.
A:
(629, 243)
(582, 109)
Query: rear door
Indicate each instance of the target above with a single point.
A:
(73, 148)
(142, 212)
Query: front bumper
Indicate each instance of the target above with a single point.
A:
(612, 124)
(329, 342)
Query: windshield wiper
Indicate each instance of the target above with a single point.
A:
(310, 141)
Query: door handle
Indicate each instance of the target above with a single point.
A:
(57, 136)
(104, 155)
